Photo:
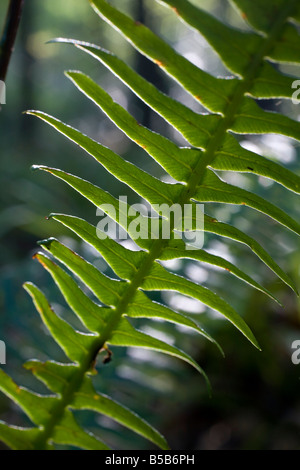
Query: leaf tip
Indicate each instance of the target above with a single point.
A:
(29, 112)
(35, 167)
(57, 40)
(71, 73)
(28, 286)
(46, 243)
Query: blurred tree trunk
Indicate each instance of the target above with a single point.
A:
(27, 84)
(9, 35)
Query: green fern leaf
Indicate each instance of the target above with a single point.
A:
(107, 307)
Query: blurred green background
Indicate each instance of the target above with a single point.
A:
(255, 402)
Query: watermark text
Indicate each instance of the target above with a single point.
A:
(161, 221)
(296, 94)
(296, 354)
(2, 352)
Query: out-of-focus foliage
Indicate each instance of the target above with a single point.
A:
(255, 402)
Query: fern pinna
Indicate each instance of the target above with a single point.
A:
(231, 109)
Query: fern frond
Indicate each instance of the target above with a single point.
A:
(231, 110)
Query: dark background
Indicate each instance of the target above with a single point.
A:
(255, 402)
